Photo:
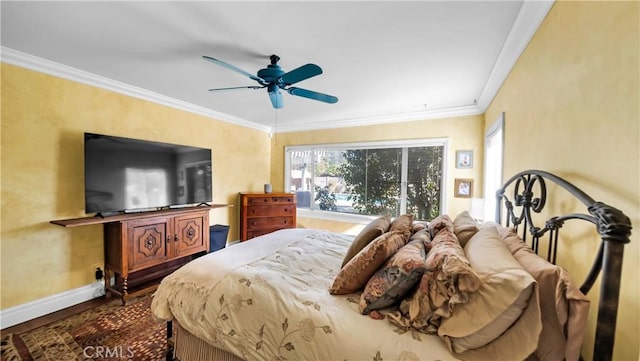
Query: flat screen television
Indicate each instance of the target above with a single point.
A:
(132, 175)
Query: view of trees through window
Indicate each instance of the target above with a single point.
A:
(370, 181)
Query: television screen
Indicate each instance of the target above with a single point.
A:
(124, 174)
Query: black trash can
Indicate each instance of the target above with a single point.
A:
(218, 237)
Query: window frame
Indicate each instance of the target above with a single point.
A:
(358, 218)
(495, 133)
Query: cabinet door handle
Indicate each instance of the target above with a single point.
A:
(168, 238)
(175, 238)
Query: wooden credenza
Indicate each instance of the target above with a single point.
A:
(142, 248)
(150, 247)
(262, 213)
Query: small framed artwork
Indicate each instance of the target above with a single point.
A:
(464, 159)
(463, 188)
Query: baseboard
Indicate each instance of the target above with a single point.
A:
(44, 306)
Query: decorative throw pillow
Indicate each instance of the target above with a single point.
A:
(562, 305)
(419, 225)
(424, 236)
(403, 223)
(355, 274)
(464, 227)
(397, 277)
(439, 223)
(446, 282)
(370, 232)
(499, 302)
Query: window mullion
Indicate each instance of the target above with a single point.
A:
(403, 180)
(312, 187)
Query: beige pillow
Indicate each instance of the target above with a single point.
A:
(370, 232)
(562, 304)
(355, 274)
(464, 227)
(499, 302)
(403, 223)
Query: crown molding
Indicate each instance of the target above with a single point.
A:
(382, 119)
(529, 18)
(28, 61)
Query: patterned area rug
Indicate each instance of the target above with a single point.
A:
(107, 332)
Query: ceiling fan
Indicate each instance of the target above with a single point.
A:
(274, 78)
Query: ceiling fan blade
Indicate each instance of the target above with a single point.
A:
(237, 87)
(299, 74)
(234, 68)
(276, 97)
(312, 95)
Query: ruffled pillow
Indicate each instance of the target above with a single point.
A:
(439, 223)
(447, 281)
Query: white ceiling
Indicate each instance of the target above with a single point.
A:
(385, 61)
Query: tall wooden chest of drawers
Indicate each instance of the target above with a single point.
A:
(262, 213)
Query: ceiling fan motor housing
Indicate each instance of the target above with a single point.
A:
(271, 73)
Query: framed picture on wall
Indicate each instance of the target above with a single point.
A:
(463, 188)
(464, 159)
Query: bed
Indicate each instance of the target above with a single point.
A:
(447, 289)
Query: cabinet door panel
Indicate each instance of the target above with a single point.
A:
(190, 232)
(148, 243)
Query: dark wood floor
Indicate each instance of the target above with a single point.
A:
(55, 316)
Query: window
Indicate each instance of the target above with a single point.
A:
(494, 140)
(368, 178)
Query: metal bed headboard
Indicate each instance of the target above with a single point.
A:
(612, 225)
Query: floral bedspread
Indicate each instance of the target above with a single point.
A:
(268, 299)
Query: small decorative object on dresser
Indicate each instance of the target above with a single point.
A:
(262, 213)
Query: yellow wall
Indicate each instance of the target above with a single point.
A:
(571, 105)
(463, 133)
(43, 121)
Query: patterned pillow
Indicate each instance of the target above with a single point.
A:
(370, 232)
(397, 277)
(464, 227)
(439, 223)
(424, 236)
(447, 281)
(355, 274)
(419, 225)
(403, 223)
